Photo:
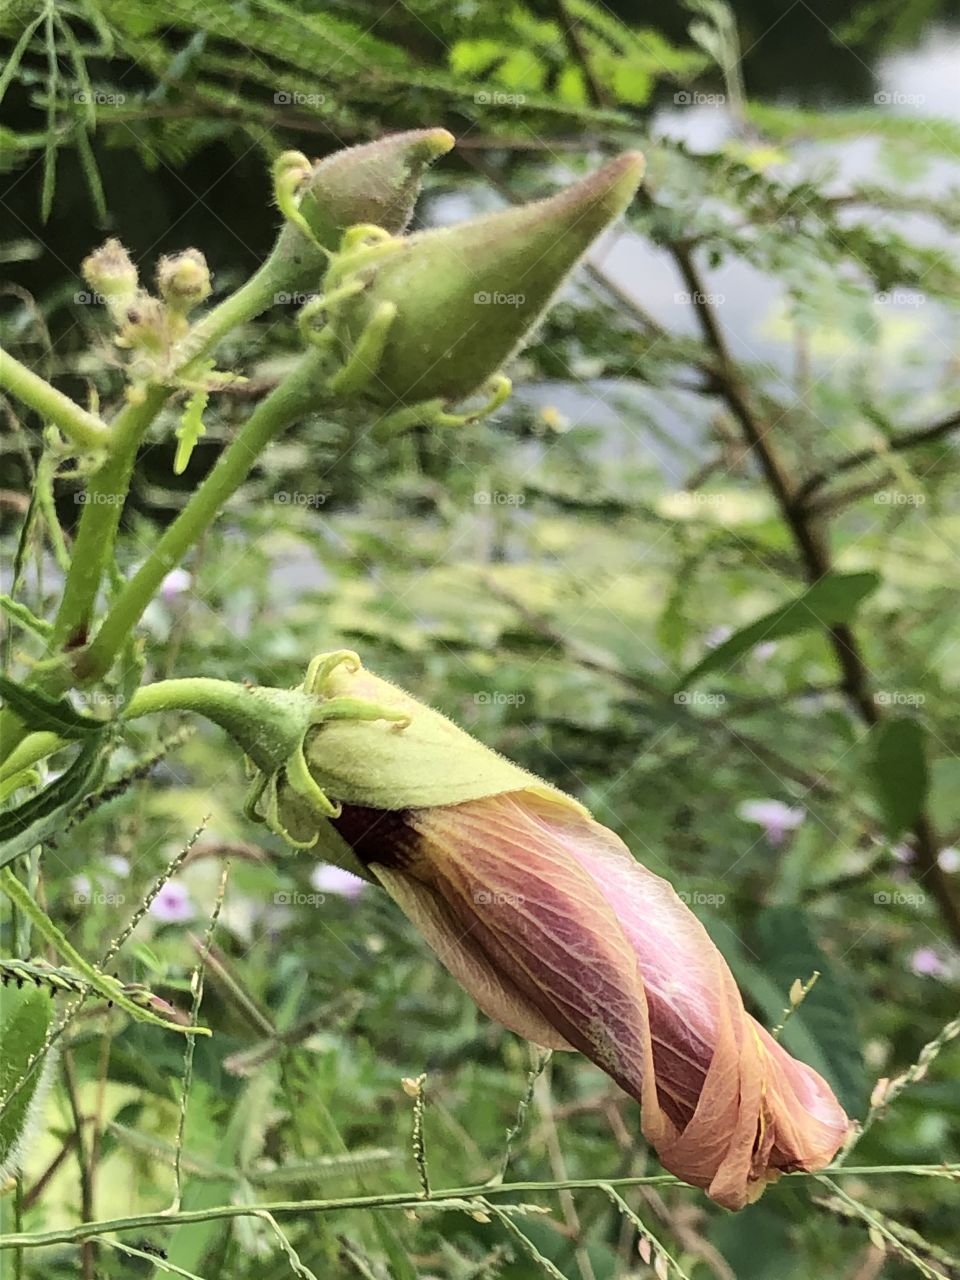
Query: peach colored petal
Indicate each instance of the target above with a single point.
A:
(496, 996)
(556, 930)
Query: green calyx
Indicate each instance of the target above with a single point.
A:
(451, 304)
(272, 727)
(344, 737)
(407, 757)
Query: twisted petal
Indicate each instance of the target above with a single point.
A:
(545, 917)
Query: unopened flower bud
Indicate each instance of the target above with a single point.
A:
(467, 296)
(555, 929)
(378, 183)
(110, 272)
(183, 280)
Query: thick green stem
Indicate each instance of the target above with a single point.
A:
(96, 534)
(290, 400)
(82, 428)
(268, 723)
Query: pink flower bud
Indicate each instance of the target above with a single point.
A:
(546, 919)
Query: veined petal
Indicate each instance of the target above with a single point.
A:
(583, 939)
(496, 996)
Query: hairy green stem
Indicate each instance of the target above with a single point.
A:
(96, 534)
(107, 489)
(457, 1197)
(289, 401)
(82, 428)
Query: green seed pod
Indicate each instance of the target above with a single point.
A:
(378, 182)
(25, 1016)
(467, 296)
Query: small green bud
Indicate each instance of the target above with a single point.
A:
(378, 182)
(110, 272)
(467, 296)
(183, 280)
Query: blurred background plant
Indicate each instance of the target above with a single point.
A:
(700, 571)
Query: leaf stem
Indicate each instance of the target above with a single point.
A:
(456, 1197)
(80, 427)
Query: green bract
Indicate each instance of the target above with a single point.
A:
(459, 300)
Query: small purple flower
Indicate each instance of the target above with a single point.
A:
(949, 859)
(903, 853)
(925, 963)
(327, 878)
(117, 864)
(175, 584)
(776, 818)
(172, 904)
(766, 649)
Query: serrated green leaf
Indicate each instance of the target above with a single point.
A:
(33, 821)
(24, 1020)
